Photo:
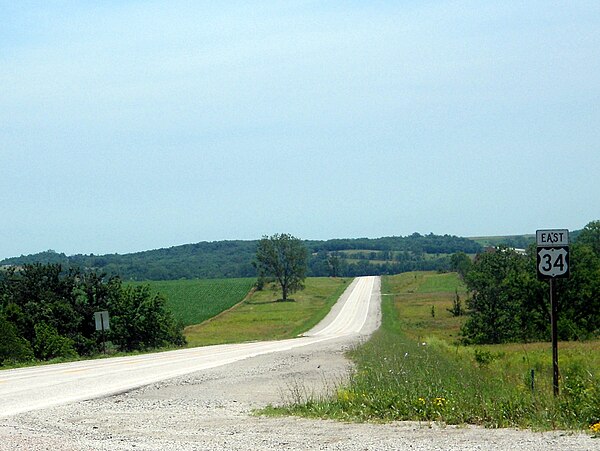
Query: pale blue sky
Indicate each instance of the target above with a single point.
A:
(133, 125)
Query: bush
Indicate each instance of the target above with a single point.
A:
(483, 357)
(140, 320)
(49, 344)
(47, 312)
(13, 348)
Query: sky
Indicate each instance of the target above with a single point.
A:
(135, 125)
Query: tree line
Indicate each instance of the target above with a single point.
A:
(47, 312)
(415, 243)
(509, 304)
(223, 259)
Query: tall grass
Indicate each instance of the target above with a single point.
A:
(400, 378)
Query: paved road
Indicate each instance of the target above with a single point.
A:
(28, 389)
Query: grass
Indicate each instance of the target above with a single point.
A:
(422, 300)
(194, 301)
(261, 317)
(414, 369)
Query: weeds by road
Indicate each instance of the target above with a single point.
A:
(413, 369)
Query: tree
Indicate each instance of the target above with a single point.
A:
(13, 348)
(579, 295)
(498, 283)
(47, 312)
(334, 263)
(283, 257)
(140, 319)
(49, 344)
(457, 307)
(590, 236)
(461, 263)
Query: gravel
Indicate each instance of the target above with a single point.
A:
(214, 410)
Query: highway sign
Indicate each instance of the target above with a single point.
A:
(553, 262)
(552, 253)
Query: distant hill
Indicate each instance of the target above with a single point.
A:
(223, 259)
(517, 241)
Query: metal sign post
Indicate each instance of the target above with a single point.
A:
(552, 263)
(554, 319)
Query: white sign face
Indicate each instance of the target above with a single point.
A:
(101, 319)
(553, 261)
(552, 237)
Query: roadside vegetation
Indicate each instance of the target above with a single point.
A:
(415, 368)
(262, 316)
(47, 313)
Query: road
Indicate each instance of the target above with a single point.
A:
(28, 389)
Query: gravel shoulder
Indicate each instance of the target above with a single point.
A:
(213, 410)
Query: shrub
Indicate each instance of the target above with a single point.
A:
(12, 347)
(140, 320)
(49, 344)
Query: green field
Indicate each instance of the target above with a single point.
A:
(194, 301)
(414, 368)
(261, 317)
(439, 283)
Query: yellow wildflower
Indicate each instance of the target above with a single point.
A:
(346, 395)
(440, 402)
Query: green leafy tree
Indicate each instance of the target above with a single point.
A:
(590, 236)
(283, 257)
(508, 303)
(140, 320)
(457, 307)
(13, 348)
(40, 293)
(91, 295)
(334, 264)
(49, 311)
(461, 263)
(48, 343)
(498, 281)
(579, 295)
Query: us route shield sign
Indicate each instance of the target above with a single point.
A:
(552, 253)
